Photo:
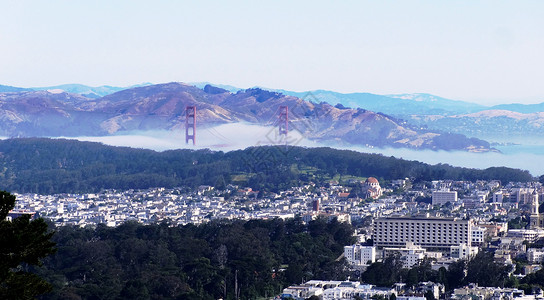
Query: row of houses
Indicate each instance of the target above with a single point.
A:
(347, 290)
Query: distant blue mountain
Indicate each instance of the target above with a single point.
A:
(229, 88)
(12, 89)
(521, 108)
(398, 105)
(439, 103)
(88, 91)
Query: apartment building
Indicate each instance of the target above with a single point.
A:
(360, 255)
(443, 197)
(426, 232)
(463, 251)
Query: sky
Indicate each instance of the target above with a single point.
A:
(487, 52)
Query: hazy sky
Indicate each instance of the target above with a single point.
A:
(480, 51)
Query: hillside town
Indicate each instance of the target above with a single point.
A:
(440, 222)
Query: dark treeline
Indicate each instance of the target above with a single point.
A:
(48, 166)
(481, 269)
(226, 259)
(134, 261)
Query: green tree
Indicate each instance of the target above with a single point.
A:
(134, 289)
(483, 269)
(384, 273)
(429, 295)
(23, 243)
(456, 274)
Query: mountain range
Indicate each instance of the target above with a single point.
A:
(81, 89)
(432, 112)
(437, 113)
(12, 89)
(54, 112)
(394, 104)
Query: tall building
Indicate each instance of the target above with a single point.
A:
(535, 220)
(440, 233)
(443, 197)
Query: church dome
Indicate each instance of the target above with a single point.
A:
(371, 180)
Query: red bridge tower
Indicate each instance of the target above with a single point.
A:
(284, 121)
(190, 124)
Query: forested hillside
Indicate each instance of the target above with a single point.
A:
(208, 261)
(50, 166)
(259, 257)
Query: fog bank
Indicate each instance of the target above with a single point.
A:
(240, 136)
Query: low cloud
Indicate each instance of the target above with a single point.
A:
(236, 136)
(225, 137)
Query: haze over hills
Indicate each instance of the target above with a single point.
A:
(161, 106)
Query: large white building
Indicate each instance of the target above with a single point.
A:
(530, 235)
(426, 232)
(360, 255)
(410, 255)
(443, 197)
(499, 196)
(463, 251)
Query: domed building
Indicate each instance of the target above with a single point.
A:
(371, 188)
